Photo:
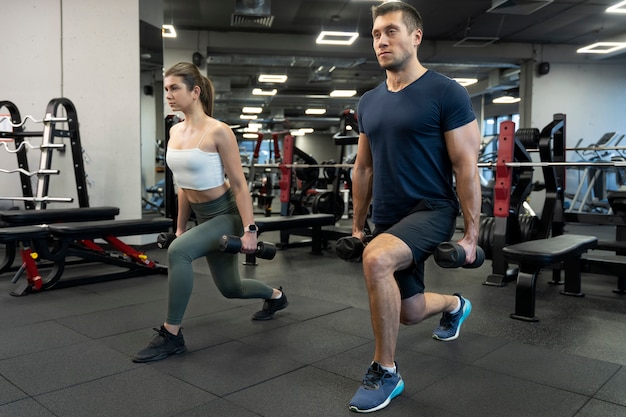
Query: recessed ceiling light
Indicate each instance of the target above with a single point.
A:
(168, 31)
(252, 110)
(259, 92)
(248, 116)
(336, 38)
(250, 136)
(315, 111)
(617, 8)
(342, 93)
(601, 48)
(272, 78)
(466, 81)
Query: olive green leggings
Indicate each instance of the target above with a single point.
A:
(216, 218)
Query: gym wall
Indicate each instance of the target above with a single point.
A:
(87, 51)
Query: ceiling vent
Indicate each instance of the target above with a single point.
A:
(252, 13)
(519, 7)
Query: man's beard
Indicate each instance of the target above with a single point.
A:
(396, 64)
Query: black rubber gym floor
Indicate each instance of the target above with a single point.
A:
(67, 352)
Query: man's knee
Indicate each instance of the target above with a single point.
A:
(375, 260)
(413, 310)
(385, 256)
(409, 319)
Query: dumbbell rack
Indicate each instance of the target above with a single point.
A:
(50, 133)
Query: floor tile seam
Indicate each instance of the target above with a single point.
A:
(87, 381)
(604, 384)
(316, 366)
(520, 378)
(429, 353)
(25, 394)
(332, 328)
(213, 346)
(47, 350)
(224, 396)
(549, 349)
(32, 398)
(199, 315)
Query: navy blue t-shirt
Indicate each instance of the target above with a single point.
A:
(405, 130)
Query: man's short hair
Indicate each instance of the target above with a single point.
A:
(410, 16)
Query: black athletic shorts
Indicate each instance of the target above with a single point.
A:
(426, 226)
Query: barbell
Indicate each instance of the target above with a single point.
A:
(604, 164)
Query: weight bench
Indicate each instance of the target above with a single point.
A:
(286, 223)
(21, 218)
(533, 255)
(58, 242)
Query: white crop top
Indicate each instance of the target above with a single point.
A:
(195, 169)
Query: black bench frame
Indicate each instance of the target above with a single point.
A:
(56, 243)
(17, 218)
(289, 224)
(563, 251)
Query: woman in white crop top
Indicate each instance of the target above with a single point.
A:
(201, 151)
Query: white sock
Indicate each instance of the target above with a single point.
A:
(458, 306)
(389, 369)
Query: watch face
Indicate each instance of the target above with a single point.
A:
(252, 228)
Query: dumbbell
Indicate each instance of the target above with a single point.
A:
(164, 240)
(350, 248)
(452, 255)
(232, 244)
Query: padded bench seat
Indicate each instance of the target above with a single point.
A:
(13, 234)
(96, 229)
(533, 255)
(32, 217)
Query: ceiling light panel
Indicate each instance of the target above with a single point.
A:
(260, 92)
(252, 110)
(601, 48)
(617, 8)
(315, 111)
(466, 81)
(336, 38)
(168, 31)
(343, 93)
(506, 100)
(272, 78)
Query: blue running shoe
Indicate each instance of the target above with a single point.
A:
(378, 389)
(450, 324)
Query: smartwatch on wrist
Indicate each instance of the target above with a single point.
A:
(251, 228)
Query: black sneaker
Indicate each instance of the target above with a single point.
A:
(270, 307)
(162, 345)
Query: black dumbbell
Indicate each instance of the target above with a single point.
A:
(232, 244)
(164, 240)
(350, 248)
(452, 255)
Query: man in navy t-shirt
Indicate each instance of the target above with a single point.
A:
(417, 131)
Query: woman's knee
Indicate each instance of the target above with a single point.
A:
(176, 255)
(231, 291)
